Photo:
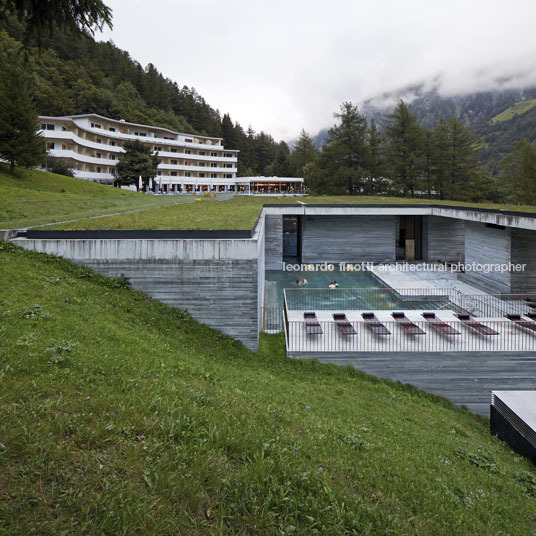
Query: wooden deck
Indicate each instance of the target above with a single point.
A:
(465, 378)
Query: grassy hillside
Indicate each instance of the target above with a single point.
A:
(33, 197)
(518, 108)
(121, 415)
(240, 212)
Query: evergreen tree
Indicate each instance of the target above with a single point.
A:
(519, 172)
(343, 157)
(20, 142)
(279, 166)
(462, 179)
(439, 159)
(373, 182)
(303, 153)
(42, 16)
(229, 135)
(136, 161)
(404, 149)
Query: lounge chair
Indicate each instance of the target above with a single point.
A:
(374, 324)
(438, 324)
(532, 316)
(344, 325)
(312, 325)
(477, 326)
(521, 322)
(407, 324)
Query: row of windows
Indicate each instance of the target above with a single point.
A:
(200, 175)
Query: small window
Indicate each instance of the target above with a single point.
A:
(201, 164)
(187, 174)
(96, 125)
(112, 157)
(187, 151)
(99, 155)
(173, 150)
(201, 153)
(213, 175)
(173, 173)
(47, 126)
(99, 140)
(213, 154)
(188, 140)
(112, 143)
(173, 162)
(99, 170)
(202, 175)
(50, 145)
(213, 164)
(112, 129)
(228, 175)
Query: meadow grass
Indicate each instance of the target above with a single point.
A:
(516, 109)
(241, 212)
(34, 197)
(121, 415)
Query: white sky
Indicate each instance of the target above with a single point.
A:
(281, 66)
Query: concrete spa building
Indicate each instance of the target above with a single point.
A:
(189, 163)
(219, 276)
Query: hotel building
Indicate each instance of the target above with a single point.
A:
(189, 163)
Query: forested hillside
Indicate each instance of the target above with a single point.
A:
(476, 110)
(76, 74)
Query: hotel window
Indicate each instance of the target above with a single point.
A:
(112, 157)
(201, 153)
(173, 162)
(99, 155)
(156, 149)
(201, 164)
(228, 175)
(202, 175)
(50, 145)
(63, 146)
(173, 173)
(213, 164)
(112, 129)
(140, 134)
(228, 165)
(187, 174)
(188, 140)
(213, 175)
(63, 129)
(213, 154)
(96, 125)
(229, 155)
(186, 163)
(187, 151)
(173, 150)
(99, 170)
(47, 126)
(159, 173)
(112, 143)
(99, 140)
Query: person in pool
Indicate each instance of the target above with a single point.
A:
(333, 284)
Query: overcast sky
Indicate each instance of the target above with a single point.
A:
(281, 66)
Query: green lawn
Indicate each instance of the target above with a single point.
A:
(35, 197)
(121, 415)
(517, 109)
(240, 212)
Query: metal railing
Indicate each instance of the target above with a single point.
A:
(497, 305)
(272, 319)
(321, 336)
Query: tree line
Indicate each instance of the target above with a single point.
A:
(403, 158)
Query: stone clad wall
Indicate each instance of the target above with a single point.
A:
(443, 239)
(216, 281)
(273, 248)
(524, 252)
(348, 239)
(487, 245)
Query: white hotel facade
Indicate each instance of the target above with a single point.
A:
(189, 163)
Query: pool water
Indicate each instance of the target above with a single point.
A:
(277, 281)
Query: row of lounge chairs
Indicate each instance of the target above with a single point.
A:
(313, 326)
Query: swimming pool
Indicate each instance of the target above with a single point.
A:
(277, 280)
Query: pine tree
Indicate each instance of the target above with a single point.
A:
(343, 157)
(303, 153)
(374, 163)
(519, 172)
(137, 161)
(404, 149)
(20, 142)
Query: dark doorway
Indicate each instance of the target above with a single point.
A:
(409, 243)
(291, 239)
